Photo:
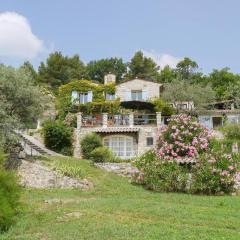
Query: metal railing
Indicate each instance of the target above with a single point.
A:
(118, 120)
(115, 120)
(144, 119)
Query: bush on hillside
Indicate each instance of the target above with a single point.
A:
(9, 196)
(88, 143)
(101, 154)
(187, 159)
(57, 137)
(231, 131)
(215, 172)
(161, 175)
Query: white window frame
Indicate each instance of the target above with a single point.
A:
(121, 146)
(137, 95)
(83, 98)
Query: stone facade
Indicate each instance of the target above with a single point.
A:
(139, 137)
(152, 89)
(141, 134)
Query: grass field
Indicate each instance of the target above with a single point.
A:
(116, 209)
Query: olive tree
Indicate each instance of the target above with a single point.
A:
(21, 101)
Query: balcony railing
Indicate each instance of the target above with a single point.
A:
(92, 120)
(144, 119)
(118, 120)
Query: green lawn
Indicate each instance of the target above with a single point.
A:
(116, 209)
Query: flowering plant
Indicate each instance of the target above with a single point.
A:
(215, 172)
(183, 139)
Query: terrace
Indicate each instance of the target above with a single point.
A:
(119, 120)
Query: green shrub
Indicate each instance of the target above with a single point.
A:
(57, 136)
(221, 145)
(231, 131)
(161, 175)
(69, 170)
(88, 143)
(9, 196)
(101, 154)
(163, 107)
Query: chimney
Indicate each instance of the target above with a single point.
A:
(109, 78)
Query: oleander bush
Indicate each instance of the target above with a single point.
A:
(88, 143)
(58, 136)
(188, 159)
(215, 172)
(182, 139)
(161, 175)
(9, 196)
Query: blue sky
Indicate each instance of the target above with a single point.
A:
(205, 30)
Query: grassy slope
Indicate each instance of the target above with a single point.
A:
(115, 209)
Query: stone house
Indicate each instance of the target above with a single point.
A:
(133, 132)
(129, 134)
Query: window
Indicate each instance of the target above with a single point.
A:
(149, 141)
(136, 95)
(83, 98)
(120, 146)
(110, 96)
(182, 106)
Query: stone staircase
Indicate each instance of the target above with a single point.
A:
(34, 147)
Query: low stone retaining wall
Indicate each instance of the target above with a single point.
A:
(122, 169)
(37, 175)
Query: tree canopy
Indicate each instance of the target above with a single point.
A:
(97, 69)
(183, 91)
(142, 67)
(21, 101)
(59, 70)
(186, 68)
(225, 84)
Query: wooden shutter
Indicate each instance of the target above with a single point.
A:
(74, 96)
(127, 95)
(145, 95)
(90, 96)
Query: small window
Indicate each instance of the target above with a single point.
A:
(110, 96)
(83, 98)
(136, 95)
(182, 106)
(149, 141)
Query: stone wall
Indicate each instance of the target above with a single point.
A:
(144, 132)
(140, 138)
(153, 89)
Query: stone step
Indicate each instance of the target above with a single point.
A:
(35, 147)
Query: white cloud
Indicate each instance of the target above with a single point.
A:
(162, 60)
(16, 37)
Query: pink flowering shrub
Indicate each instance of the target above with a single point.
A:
(188, 159)
(215, 172)
(183, 139)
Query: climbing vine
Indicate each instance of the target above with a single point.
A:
(98, 104)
